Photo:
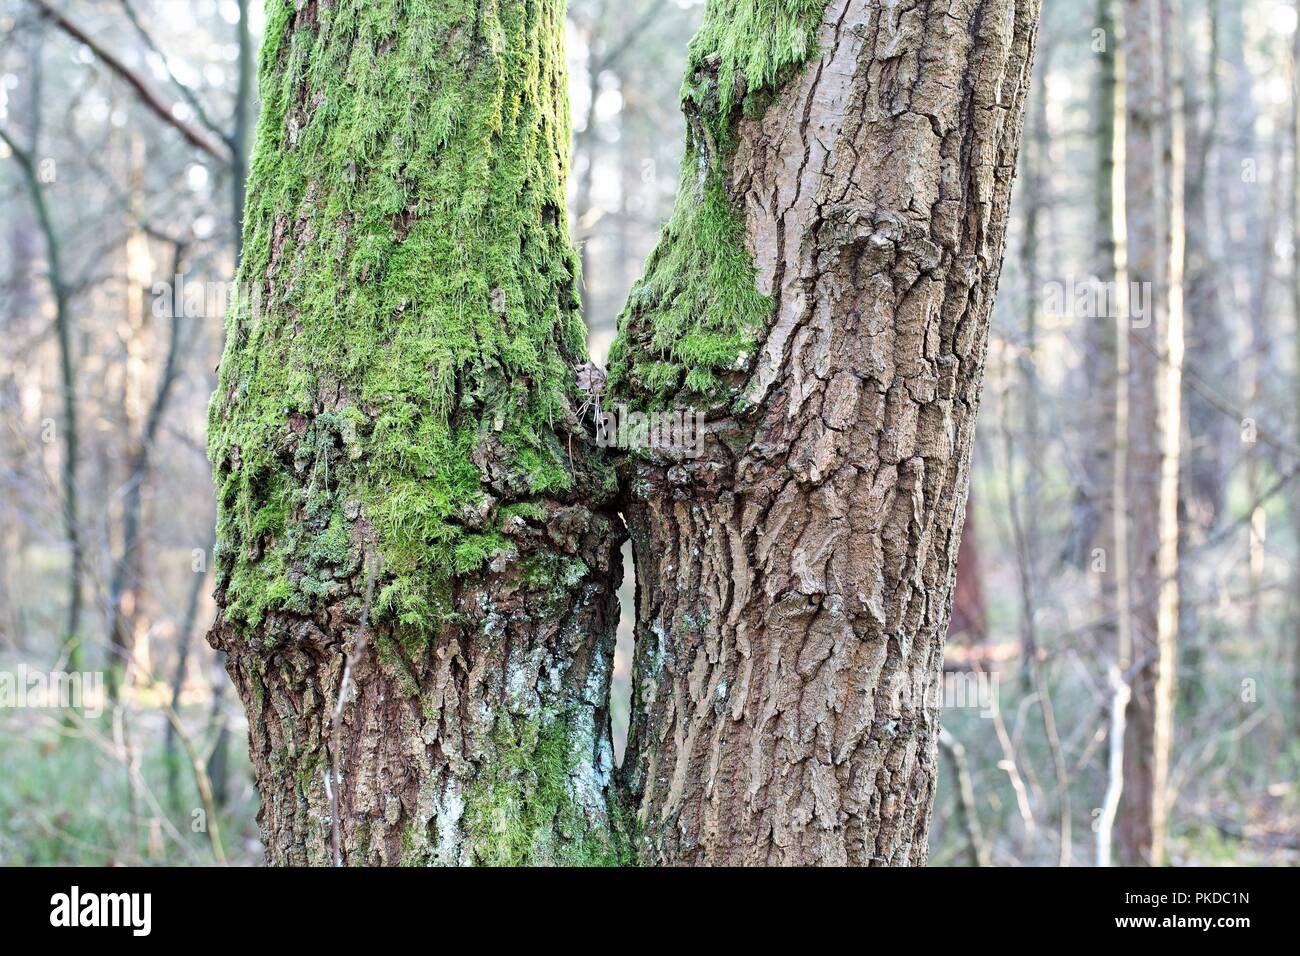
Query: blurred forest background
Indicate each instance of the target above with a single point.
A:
(125, 130)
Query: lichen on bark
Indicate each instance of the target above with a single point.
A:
(528, 810)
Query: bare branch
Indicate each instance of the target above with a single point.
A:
(148, 96)
(186, 93)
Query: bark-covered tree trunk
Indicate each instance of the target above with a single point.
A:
(1155, 209)
(794, 580)
(64, 330)
(412, 510)
(969, 623)
(1295, 315)
(402, 482)
(1138, 807)
(1115, 584)
(1212, 433)
(1099, 511)
(23, 236)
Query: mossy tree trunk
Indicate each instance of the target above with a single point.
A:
(794, 581)
(407, 489)
(402, 482)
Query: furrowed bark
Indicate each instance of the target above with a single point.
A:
(794, 579)
(403, 483)
(407, 495)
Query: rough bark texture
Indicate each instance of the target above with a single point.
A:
(402, 481)
(406, 488)
(794, 581)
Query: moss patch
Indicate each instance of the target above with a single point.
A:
(522, 809)
(692, 323)
(412, 306)
(744, 52)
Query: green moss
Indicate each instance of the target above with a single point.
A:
(413, 301)
(761, 40)
(694, 316)
(693, 321)
(528, 510)
(550, 578)
(522, 809)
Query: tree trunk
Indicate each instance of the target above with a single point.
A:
(18, 319)
(1024, 517)
(403, 488)
(1248, 216)
(1213, 434)
(414, 521)
(1101, 520)
(1295, 316)
(63, 330)
(969, 622)
(794, 580)
(1116, 588)
(1155, 210)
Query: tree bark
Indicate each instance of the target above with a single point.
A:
(969, 621)
(1212, 433)
(1295, 315)
(403, 488)
(1116, 588)
(415, 522)
(794, 580)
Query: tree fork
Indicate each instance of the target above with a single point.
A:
(398, 399)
